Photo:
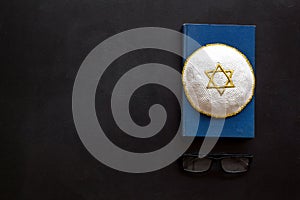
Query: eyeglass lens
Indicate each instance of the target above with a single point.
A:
(195, 164)
(234, 165)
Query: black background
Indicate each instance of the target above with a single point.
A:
(43, 45)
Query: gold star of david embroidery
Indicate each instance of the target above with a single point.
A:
(211, 75)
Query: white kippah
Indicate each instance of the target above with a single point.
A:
(218, 80)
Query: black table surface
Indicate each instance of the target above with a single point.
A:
(43, 44)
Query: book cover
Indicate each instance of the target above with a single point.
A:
(241, 37)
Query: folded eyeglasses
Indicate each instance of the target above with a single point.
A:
(230, 163)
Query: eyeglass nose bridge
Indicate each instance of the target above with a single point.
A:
(215, 164)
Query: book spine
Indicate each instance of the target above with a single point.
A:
(184, 57)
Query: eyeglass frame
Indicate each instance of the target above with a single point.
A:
(218, 158)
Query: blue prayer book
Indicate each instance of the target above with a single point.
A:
(241, 37)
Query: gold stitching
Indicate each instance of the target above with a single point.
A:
(212, 85)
